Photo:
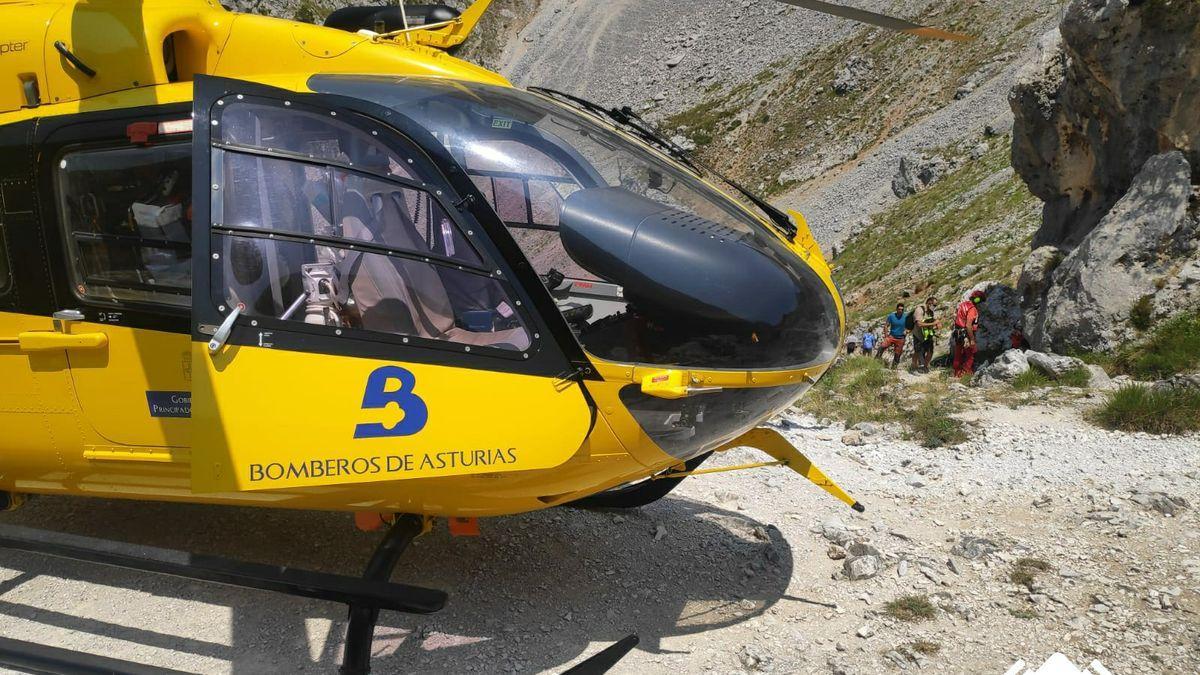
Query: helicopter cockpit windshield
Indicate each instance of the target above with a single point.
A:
(649, 264)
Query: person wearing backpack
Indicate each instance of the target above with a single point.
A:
(868, 342)
(924, 331)
(966, 325)
(894, 334)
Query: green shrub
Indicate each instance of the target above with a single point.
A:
(1173, 347)
(1141, 314)
(932, 425)
(1138, 408)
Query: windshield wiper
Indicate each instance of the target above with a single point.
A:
(638, 126)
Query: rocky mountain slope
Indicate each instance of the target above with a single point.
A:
(812, 110)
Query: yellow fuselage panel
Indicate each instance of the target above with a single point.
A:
(126, 44)
(71, 419)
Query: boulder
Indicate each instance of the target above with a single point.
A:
(1182, 381)
(1100, 378)
(1091, 293)
(999, 315)
(916, 173)
(868, 428)
(1003, 368)
(1053, 365)
(850, 77)
(974, 548)
(1166, 504)
(853, 437)
(862, 561)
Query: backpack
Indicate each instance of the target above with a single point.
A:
(910, 321)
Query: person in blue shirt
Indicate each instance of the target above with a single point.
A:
(894, 335)
(868, 342)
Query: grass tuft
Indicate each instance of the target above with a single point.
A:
(1030, 379)
(926, 647)
(1173, 347)
(932, 424)
(1139, 408)
(850, 392)
(1023, 613)
(1075, 377)
(910, 608)
(1026, 570)
(1141, 315)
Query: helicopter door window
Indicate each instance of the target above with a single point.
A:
(127, 216)
(352, 245)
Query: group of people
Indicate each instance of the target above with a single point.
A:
(922, 324)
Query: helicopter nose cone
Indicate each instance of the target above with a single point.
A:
(718, 296)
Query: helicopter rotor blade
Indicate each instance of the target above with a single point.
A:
(881, 20)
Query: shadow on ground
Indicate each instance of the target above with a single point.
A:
(530, 594)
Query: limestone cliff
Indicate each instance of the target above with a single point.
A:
(1107, 134)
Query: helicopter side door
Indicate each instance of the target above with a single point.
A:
(353, 318)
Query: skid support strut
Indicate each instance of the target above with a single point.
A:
(360, 633)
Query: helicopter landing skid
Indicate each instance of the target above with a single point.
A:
(364, 596)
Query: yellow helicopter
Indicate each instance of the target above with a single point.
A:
(245, 260)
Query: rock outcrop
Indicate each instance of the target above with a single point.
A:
(1107, 134)
(1121, 263)
(1116, 85)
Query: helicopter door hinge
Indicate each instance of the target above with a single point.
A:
(575, 374)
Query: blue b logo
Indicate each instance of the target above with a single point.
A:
(379, 394)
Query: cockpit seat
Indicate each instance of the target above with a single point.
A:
(400, 295)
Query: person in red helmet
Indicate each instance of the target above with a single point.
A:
(966, 324)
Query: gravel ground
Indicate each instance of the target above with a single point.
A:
(731, 573)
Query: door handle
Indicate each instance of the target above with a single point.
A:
(45, 341)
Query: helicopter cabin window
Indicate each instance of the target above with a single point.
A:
(127, 218)
(322, 224)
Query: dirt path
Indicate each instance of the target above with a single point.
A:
(740, 578)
